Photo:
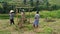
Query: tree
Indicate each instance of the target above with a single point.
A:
(46, 4)
(37, 5)
(31, 2)
(5, 6)
(1, 8)
(24, 1)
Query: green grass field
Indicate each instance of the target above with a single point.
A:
(44, 27)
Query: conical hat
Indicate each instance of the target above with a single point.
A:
(11, 11)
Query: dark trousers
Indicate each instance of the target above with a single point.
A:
(11, 21)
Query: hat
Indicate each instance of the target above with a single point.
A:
(11, 11)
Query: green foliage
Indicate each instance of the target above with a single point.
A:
(7, 5)
(43, 14)
(53, 14)
(31, 2)
(58, 14)
(24, 2)
(1, 5)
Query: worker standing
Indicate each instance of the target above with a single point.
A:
(11, 14)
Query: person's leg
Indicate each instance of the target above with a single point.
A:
(13, 21)
(10, 21)
(34, 25)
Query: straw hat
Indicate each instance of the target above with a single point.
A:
(11, 11)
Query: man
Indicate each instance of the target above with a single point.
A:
(36, 21)
(11, 14)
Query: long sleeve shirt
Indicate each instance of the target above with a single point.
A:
(11, 15)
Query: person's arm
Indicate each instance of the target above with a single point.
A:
(35, 17)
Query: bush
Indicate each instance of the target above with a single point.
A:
(53, 14)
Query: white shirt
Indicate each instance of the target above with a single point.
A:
(37, 16)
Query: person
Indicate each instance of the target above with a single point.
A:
(36, 21)
(22, 19)
(11, 14)
(22, 13)
(23, 16)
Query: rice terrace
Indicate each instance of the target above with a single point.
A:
(29, 17)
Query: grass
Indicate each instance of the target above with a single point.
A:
(44, 27)
(5, 32)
